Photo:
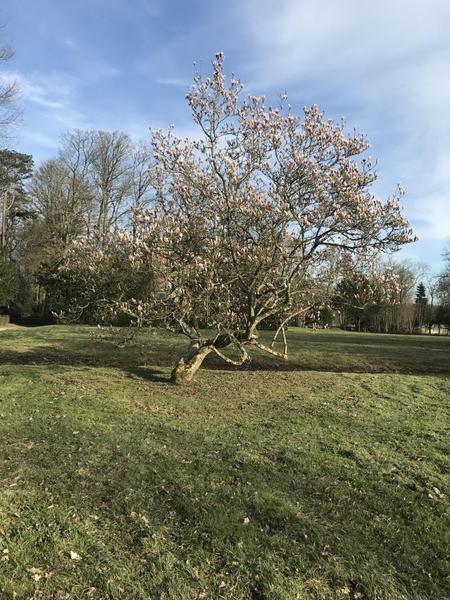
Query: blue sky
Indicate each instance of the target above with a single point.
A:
(384, 66)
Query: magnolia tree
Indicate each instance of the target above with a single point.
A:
(246, 217)
(96, 278)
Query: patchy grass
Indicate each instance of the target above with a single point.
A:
(310, 479)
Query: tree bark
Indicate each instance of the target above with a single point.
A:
(187, 367)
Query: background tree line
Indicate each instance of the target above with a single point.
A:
(418, 302)
(62, 223)
(97, 185)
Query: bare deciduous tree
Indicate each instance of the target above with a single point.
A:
(8, 94)
(141, 188)
(75, 156)
(111, 176)
(60, 199)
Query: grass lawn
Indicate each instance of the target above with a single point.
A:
(321, 478)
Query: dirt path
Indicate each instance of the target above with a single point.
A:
(10, 327)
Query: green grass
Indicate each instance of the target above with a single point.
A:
(321, 478)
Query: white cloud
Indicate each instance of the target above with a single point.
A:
(40, 90)
(172, 81)
(97, 69)
(385, 65)
(295, 37)
(49, 102)
(40, 139)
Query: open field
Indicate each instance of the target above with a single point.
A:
(325, 477)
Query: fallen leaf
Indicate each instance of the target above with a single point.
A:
(34, 570)
(438, 493)
(37, 573)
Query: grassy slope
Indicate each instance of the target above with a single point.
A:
(284, 481)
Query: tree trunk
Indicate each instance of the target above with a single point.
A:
(187, 367)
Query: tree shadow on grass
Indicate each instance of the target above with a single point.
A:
(332, 352)
(149, 374)
(60, 360)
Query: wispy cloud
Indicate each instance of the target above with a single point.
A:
(94, 70)
(172, 81)
(50, 107)
(350, 37)
(385, 66)
(40, 139)
(39, 90)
